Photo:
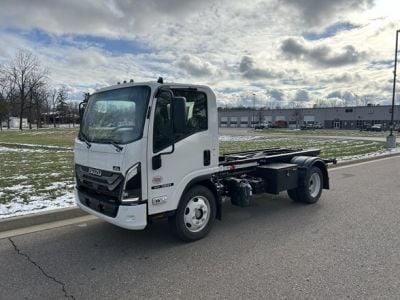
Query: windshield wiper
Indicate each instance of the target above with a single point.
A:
(82, 137)
(119, 148)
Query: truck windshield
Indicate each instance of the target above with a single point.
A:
(115, 116)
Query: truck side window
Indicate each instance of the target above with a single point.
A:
(196, 113)
(196, 110)
(162, 137)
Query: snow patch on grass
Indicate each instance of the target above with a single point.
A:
(369, 155)
(238, 138)
(19, 187)
(52, 147)
(18, 177)
(36, 204)
(21, 150)
(55, 186)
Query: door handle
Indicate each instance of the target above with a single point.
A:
(206, 157)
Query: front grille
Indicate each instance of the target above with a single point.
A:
(101, 182)
(100, 203)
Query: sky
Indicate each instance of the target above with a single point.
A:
(277, 53)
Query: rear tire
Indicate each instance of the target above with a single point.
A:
(310, 190)
(293, 195)
(195, 215)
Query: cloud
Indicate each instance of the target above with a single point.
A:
(236, 47)
(346, 77)
(276, 94)
(302, 95)
(321, 55)
(89, 58)
(250, 71)
(349, 98)
(107, 18)
(317, 12)
(195, 66)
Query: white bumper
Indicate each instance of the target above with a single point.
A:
(129, 217)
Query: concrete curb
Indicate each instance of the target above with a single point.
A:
(69, 213)
(353, 162)
(40, 218)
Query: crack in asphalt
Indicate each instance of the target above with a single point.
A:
(41, 270)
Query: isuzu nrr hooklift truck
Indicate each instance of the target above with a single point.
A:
(148, 151)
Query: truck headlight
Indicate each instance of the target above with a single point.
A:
(132, 191)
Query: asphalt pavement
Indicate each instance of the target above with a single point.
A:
(345, 246)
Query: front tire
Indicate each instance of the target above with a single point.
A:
(195, 215)
(310, 191)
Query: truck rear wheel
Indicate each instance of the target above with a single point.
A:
(195, 215)
(310, 191)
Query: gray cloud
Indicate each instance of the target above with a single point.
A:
(195, 66)
(302, 95)
(250, 71)
(276, 94)
(346, 77)
(321, 55)
(346, 96)
(103, 18)
(316, 12)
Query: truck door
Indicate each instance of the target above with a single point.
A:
(183, 156)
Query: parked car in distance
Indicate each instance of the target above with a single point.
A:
(376, 127)
(315, 125)
(261, 126)
(318, 126)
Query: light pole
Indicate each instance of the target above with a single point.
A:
(391, 139)
(254, 109)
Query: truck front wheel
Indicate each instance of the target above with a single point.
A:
(310, 191)
(195, 215)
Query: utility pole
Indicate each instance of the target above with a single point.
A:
(391, 139)
(254, 109)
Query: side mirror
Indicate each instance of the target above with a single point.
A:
(179, 114)
(82, 107)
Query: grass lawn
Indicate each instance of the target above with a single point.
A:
(330, 148)
(53, 136)
(34, 171)
(38, 164)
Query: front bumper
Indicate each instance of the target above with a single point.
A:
(133, 217)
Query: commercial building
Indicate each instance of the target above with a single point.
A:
(356, 117)
(13, 122)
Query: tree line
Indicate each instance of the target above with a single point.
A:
(26, 93)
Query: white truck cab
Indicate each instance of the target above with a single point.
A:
(131, 162)
(150, 150)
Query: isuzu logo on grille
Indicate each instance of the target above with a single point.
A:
(95, 172)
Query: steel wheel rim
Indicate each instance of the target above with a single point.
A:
(314, 185)
(196, 213)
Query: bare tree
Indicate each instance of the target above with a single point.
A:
(41, 104)
(7, 91)
(61, 100)
(26, 73)
(53, 101)
(3, 112)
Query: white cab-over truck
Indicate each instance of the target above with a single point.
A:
(149, 151)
